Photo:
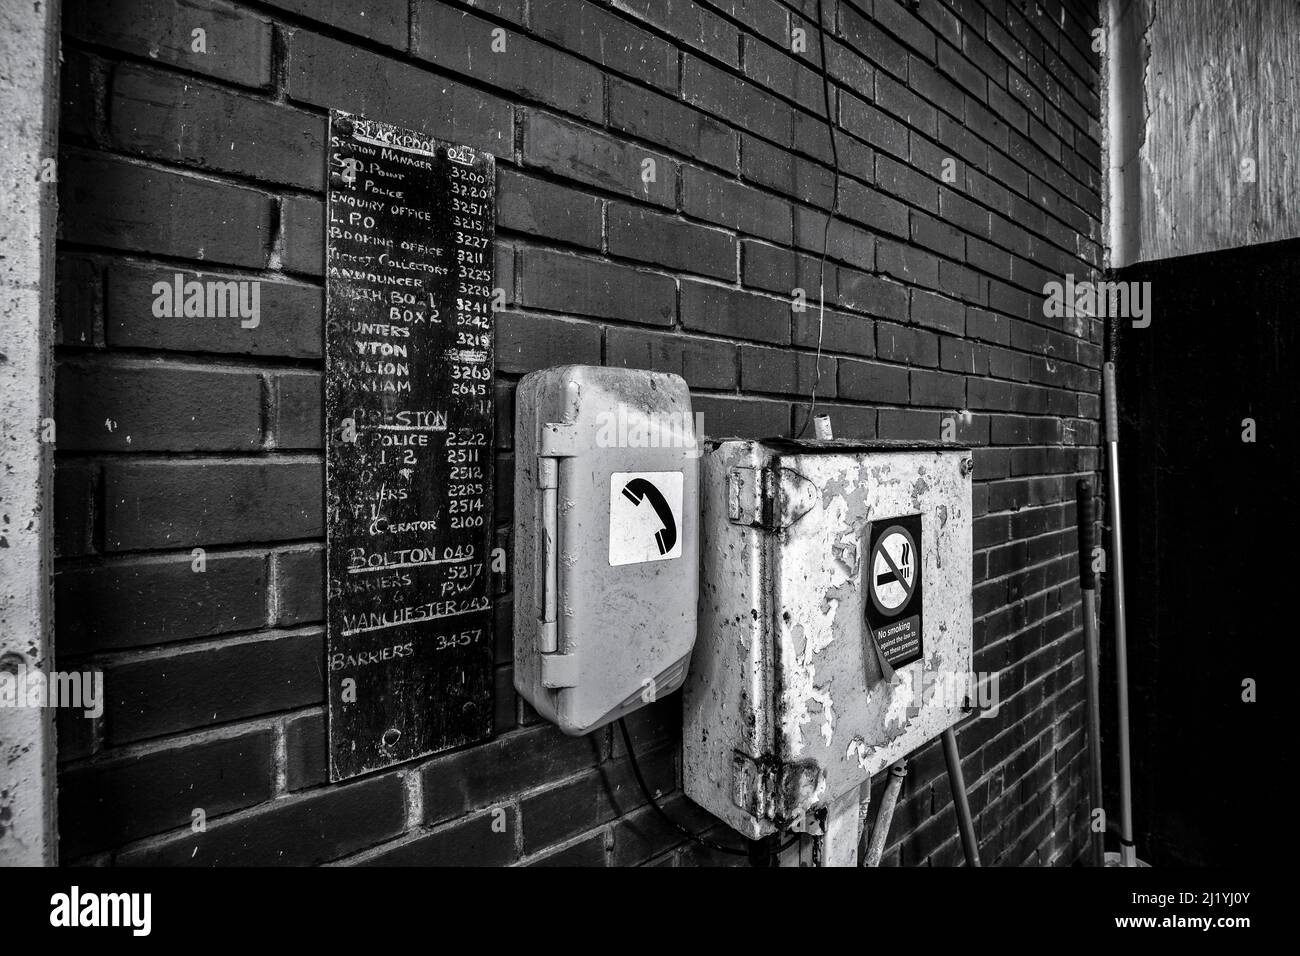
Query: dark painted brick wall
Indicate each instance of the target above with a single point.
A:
(183, 434)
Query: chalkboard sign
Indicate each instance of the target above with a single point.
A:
(408, 464)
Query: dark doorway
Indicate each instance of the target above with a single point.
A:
(1210, 534)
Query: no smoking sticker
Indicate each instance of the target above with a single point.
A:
(894, 580)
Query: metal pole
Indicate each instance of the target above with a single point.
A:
(885, 815)
(1128, 853)
(1085, 511)
(958, 783)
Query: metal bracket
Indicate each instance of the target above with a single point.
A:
(770, 498)
(771, 790)
(795, 497)
(746, 499)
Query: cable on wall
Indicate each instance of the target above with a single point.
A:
(826, 228)
(663, 814)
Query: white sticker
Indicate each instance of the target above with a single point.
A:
(645, 516)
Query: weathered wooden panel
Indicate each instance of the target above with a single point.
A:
(1220, 162)
(408, 403)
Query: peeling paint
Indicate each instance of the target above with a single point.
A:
(858, 750)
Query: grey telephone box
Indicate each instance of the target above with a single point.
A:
(606, 541)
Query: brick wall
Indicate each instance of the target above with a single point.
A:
(182, 434)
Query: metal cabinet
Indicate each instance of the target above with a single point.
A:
(834, 631)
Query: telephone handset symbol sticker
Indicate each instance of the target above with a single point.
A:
(645, 516)
(639, 489)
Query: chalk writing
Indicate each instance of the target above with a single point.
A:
(408, 403)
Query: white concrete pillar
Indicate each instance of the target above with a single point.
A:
(29, 97)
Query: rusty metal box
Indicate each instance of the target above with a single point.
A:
(834, 630)
(606, 543)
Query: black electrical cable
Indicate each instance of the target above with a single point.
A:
(636, 772)
(826, 228)
(645, 791)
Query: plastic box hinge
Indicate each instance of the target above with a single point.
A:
(559, 670)
(556, 441)
(547, 473)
